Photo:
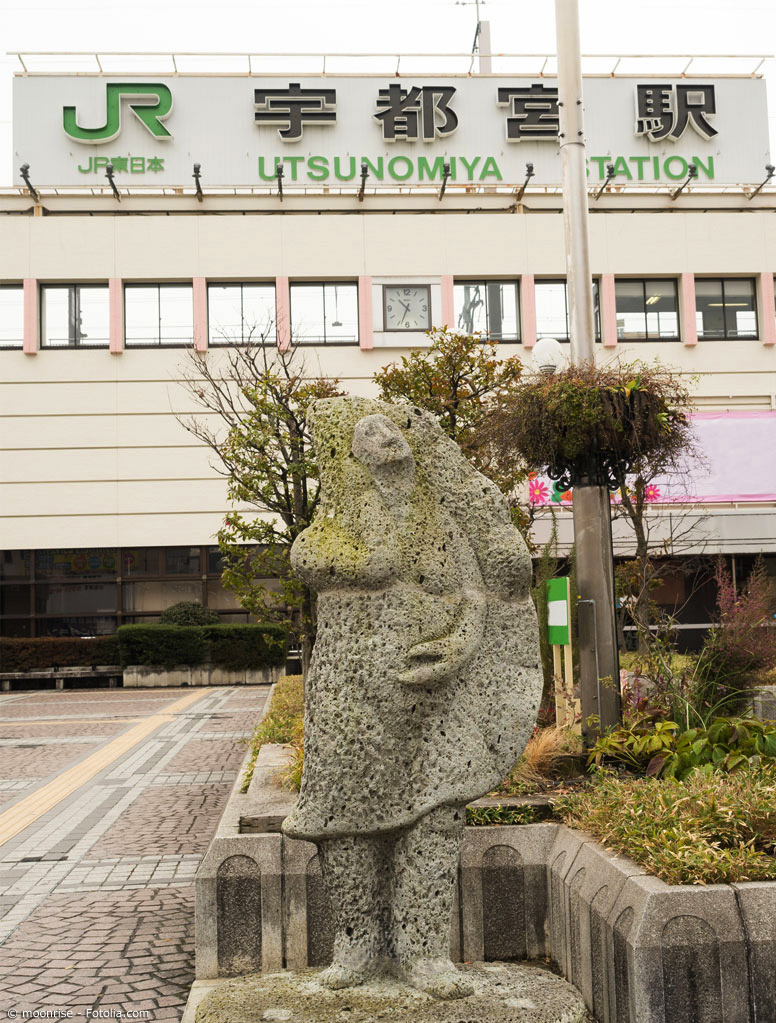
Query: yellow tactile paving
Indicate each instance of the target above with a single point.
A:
(28, 810)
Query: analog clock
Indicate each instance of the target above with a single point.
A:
(407, 306)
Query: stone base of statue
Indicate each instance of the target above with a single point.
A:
(503, 993)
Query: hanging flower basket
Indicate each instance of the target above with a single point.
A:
(588, 425)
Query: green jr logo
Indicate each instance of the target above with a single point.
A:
(150, 103)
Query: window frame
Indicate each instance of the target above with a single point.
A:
(119, 576)
(292, 285)
(11, 286)
(158, 285)
(73, 290)
(655, 339)
(484, 282)
(566, 339)
(269, 340)
(726, 336)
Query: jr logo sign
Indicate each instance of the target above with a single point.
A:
(149, 102)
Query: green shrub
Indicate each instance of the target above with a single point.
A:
(662, 749)
(189, 612)
(52, 652)
(283, 723)
(479, 816)
(164, 645)
(234, 647)
(710, 829)
(246, 646)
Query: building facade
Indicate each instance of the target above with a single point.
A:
(109, 506)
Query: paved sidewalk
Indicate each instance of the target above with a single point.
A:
(108, 799)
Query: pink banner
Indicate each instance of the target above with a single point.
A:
(736, 463)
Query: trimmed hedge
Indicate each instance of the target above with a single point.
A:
(234, 647)
(189, 612)
(53, 652)
(247, 646)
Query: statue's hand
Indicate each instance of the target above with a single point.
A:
(441, 658)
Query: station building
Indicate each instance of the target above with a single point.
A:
(109, 507)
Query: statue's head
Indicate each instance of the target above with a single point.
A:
(378, 442)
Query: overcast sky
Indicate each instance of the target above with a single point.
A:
(402, 26)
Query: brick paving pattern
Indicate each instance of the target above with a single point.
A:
(166, 819)
(61, 729)
(107, 951)
(41, 761)
(209, 754)
(97, 894)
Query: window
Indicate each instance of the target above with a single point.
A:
(552, 310)
(238, 313)
(647, 310)
(158, 314)
(89, 591)
(75, 316)
(324, 314)
(725, 307)
(488, 307)
(11, 316)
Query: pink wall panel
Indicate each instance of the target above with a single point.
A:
(448, 301)
(30, 345)
(116, 312)
(688, 325)
(366, 335)
(608, 306)
(199, 288)
(283, 308)
(528, 303)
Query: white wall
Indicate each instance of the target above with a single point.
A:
(91, 453)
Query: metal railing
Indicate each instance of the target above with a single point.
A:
(608, 65)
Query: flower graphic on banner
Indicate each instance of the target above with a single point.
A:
(652, 493)
(538, 492)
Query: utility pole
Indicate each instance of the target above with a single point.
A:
(598, 656)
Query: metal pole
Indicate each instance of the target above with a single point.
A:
(598, 656)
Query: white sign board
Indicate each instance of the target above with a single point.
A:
(321, 130)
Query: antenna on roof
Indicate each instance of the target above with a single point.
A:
(481, 44)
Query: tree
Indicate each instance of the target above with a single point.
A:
(461, 380)
(259, 396)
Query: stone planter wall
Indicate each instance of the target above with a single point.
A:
(764, 703)
(143, 675)
(639, 950)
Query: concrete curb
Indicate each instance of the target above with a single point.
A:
(638, 950)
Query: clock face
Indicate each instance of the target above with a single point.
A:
(407, 307)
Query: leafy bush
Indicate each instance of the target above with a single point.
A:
(283, 723)
(246, 646)
(164, 645)
(743, 643)
(234, 647)
(711, 829)
(480, 816)
(736, 657)
(662, 749)
(51, 652)
(188, 612)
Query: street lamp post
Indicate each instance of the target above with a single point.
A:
(598, 656)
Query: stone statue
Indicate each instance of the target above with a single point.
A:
(424, 682)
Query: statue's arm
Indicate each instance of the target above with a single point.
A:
(437, 660)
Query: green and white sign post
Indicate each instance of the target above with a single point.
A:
(567, 708)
